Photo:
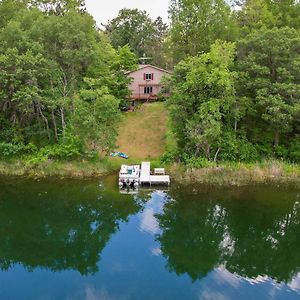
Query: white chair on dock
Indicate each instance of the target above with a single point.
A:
(159, 171)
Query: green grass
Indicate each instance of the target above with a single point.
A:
(143, 133)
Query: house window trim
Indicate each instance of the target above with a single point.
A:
(148, 90)
(148, 76)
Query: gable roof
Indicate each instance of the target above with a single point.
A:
(141, 67)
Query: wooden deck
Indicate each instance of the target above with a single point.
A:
(145, 97)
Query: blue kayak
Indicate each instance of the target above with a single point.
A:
(120, 154)
(123, 155)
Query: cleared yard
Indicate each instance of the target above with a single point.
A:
(142, 134)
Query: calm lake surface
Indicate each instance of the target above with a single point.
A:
(70, 239)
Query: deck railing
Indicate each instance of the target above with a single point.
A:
(145, 96)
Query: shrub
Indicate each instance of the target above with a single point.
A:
(70, 147)
(237, 148)
(36, 159)
(295, 150)
(197, 162)
(12, 150)
(281, 152)
(169, 156)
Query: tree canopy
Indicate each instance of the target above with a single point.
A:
(243, 105)
(58, 74)
(196, 24)
(136, 29)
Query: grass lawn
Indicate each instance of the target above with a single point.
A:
(142, 134)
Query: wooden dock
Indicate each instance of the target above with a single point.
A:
(135, 175)
(147, 178)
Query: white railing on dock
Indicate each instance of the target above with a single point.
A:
(159, 171)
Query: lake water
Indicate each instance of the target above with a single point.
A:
(68, 239)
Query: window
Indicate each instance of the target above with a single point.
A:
(148, 90)
(148, 76)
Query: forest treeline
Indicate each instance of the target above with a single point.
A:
(61, 81)
(235, 92)
(235, 87)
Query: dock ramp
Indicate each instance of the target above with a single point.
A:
(145, 172)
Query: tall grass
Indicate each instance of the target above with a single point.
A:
(238, 174)
(72, 169)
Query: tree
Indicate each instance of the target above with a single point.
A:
(196, 24)
(254, 15)
(58, 7)
(157, 47)
(125, 61)
(22, 75)
(136, 29)
(202, 93)
(9, 9)
(287, 13)
(96, 116)
(257, 14)
(44, 58)
(270, 58)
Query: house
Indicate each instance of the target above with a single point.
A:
(146, 82)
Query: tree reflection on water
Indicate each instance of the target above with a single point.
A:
(65, 225)
(58, 225)
(251, 232)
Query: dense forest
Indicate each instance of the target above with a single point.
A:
(234, 89)
(61, 81)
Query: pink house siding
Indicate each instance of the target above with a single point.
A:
(144, 86)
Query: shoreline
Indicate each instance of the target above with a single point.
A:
(59, 169)
(222, 175)
(239, 174)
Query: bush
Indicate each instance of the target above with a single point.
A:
(36, 159)
(295, 150)
(281, 152)
(12, 150)
(169, 156)
(237, 148)
(60, 151)
(196, 162)
(71, 147)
